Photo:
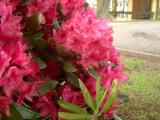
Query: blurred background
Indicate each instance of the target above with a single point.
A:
(128, 10)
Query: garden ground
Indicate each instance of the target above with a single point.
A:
(143, 89)
(137, 36)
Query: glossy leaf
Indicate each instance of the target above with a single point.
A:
(116, 117)
(59, 9)
(94, 73)
(69, 67)
(96, 76)
(102, 98)
(34, 22)
(113, 65)
(71, 107)
(56, 24)
(40, 62)
(86, 5)
(39, 44)
(49, 85)
(24, 2)
(112, 97)
(72, 116)
(87, 97)
(60, 50)
(15, 115)
(98, 91)
(26, 113)
(73, 79)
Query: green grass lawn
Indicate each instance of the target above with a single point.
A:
(143, 89)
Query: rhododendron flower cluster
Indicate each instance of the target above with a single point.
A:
(55, 56)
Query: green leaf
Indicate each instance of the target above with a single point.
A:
(30, 47)
(24, 2)
(40, 62)
(59, 49)
(63, 52)
(112, 97)
(69, 67)
(73, 79)
(116, 117)
(92, 72)
(71, 107)
(98, 91)
(87, 97)
(113, 65)
(59, 9)
(39, 44)
(86, 5)
(49, 85)
(26, 113)
(101, 99)
(34, 22)
(56, 24)
(108, 63)
(122, 99)
(15, 115)
(73, 116)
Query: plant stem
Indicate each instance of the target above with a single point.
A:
(95, 117)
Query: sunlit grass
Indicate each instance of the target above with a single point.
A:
(143, 89)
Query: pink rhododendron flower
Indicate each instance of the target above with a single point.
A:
(38, 6)
(45, 105)
(87, 36)
(12, 3)
(70, 6)
(79, 38)
(47, 7)
(4, 105)
(91, 39)
(9, 24)
(15, 64)
(69, 94)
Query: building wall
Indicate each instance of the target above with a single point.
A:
(158, 10)
(154, 9)
(133, 6)
(122, 5)
(130, 7)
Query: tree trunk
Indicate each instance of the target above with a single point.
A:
(103, 8)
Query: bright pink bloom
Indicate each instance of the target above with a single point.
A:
(91, 39)
(45, 104)
(38, 6)
(9, 24)
(46, 7)
(87, 36)
(69, 94)
(70, 6)
(12, 3)
(81, 33)
(15, 64)
(4, 104)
